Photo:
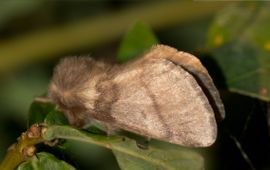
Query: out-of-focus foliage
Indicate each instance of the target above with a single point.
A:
(138, 39)
(239, 40)
(87, 32)
(14, 8)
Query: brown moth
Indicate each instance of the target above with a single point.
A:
(165, 94)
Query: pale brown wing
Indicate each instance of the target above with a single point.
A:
(194, 67)
(161, 100)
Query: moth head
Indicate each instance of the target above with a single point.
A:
(72, 84)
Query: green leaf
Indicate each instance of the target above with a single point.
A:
(138, 39)
(229, 24)
(239, 41)
(56, 118)
(42, 111)
(67, 132)
(95, 127)
(38, 111)
(156, 157)
(44, 161)
(129, 155)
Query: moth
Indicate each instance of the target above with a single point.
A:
(165, 94)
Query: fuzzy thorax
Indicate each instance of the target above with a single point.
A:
(73, 86)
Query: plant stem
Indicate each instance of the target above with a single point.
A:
(12, 159)
(23, 149)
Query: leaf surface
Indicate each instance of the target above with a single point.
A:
(129, 155)
(136, 41)
(44, 161)
(239, 41)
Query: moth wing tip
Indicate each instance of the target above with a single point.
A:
(210, 138)
(205, 137)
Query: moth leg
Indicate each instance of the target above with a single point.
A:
(75, 119)
(110, 129)
(148, 139)
(143, 144)
(72, 119)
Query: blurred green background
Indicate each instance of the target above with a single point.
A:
(34, 35)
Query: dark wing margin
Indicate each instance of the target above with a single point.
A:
(193, 65)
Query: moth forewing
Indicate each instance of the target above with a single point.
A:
(161, 100)
(193, 65)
